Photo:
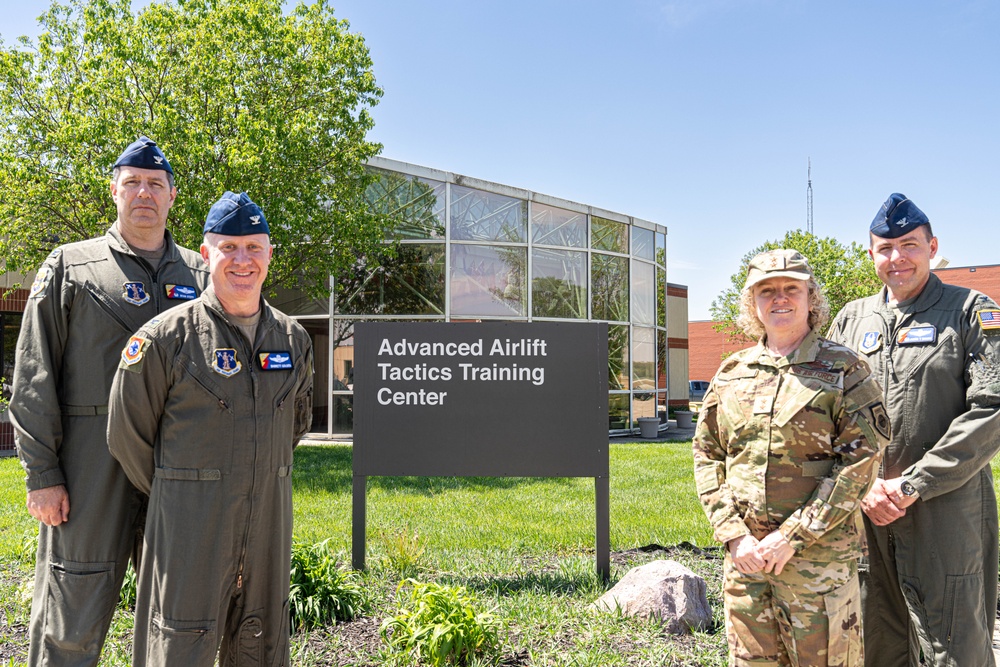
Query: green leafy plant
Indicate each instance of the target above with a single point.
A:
(127, 595)
(403, 551)
(322, 592)
(441, 625)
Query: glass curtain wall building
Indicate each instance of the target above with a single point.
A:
(470, 250)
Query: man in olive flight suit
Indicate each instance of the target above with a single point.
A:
(208, 403)
(86, 300)
(931, 518)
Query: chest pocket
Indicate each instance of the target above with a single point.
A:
(735, 392)
(910, 359)
(197, 430)
(112, 307)
(800, 392)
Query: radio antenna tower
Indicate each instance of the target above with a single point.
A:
(809, 197)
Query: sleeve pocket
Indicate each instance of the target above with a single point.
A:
(708, 478)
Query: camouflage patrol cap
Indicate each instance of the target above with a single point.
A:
(780, 263)
(897, 216)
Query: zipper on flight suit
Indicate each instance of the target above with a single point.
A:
(253, 469)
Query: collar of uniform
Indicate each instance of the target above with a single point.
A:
(929, 296)
(806, 352)
(171, 253)
(211, 300)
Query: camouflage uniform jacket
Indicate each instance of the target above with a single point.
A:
(791, 444)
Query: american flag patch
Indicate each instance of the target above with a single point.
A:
(989, 319)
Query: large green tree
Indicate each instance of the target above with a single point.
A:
(240, 95)
(845, 272)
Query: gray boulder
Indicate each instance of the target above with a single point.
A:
(662, 589)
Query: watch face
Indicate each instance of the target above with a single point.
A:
(907, 489)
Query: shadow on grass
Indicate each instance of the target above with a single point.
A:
(328, 468)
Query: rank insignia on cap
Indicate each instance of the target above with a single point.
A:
(225, 362)
(183, 292)
(871, 342)
(41, 281)
(134, 349)
(917, 335)
(135, 294)
(275, 361)
(989, 319)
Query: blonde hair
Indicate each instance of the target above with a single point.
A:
(750, 324)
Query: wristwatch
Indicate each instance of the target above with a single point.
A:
(907, 489)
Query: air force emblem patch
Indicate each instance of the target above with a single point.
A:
(872, 341)
(133, 352)
(183, 292)
(42, 279)
(225, 362)
(275, 361)
(135, 294)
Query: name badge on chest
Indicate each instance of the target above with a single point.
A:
(275, 361)
(182, 292)
(926, 335)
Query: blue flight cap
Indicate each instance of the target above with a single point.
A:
(236, 215)
(145, 154)
(898, 216)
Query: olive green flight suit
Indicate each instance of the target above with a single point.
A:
(792, 445)
(206, 424)
(86, 301)
(931, 585)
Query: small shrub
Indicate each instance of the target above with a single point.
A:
(322, 592)
(403, 551)
(441, 625)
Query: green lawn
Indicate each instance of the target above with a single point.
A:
(524, 545)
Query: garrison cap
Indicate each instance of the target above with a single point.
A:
(236, 215)
(145, 154)
(898, 216)
(780, 263)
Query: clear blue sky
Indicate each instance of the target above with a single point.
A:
(699, 114)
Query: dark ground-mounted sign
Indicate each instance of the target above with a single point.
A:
(481, 399)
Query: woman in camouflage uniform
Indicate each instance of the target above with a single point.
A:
(788, 442)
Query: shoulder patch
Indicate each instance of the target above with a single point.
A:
(42, 279)
(989, 319)
(880, 420)
(133, 352)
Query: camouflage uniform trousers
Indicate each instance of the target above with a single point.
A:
(808, 616)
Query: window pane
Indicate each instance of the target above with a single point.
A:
(618, 411)
(643, 359)
(642, 243)
(411, 283)
(415, 205)
(559, 283)
(483, 216)
(661, 297)
(608, 235)
(488, 281)
(661, 249)
(643, 293)
(617, 357)
(662, 370)
(557, 226)
(296, 302)
(643, 405)
(609, 282)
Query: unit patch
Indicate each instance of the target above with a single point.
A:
(989, 319)
(226, 363)
(871, 341)
(135, 294)
(917, 335)
(184, 292)
(42, 279)
(275, 361)
(880, 420)
(134, 350)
